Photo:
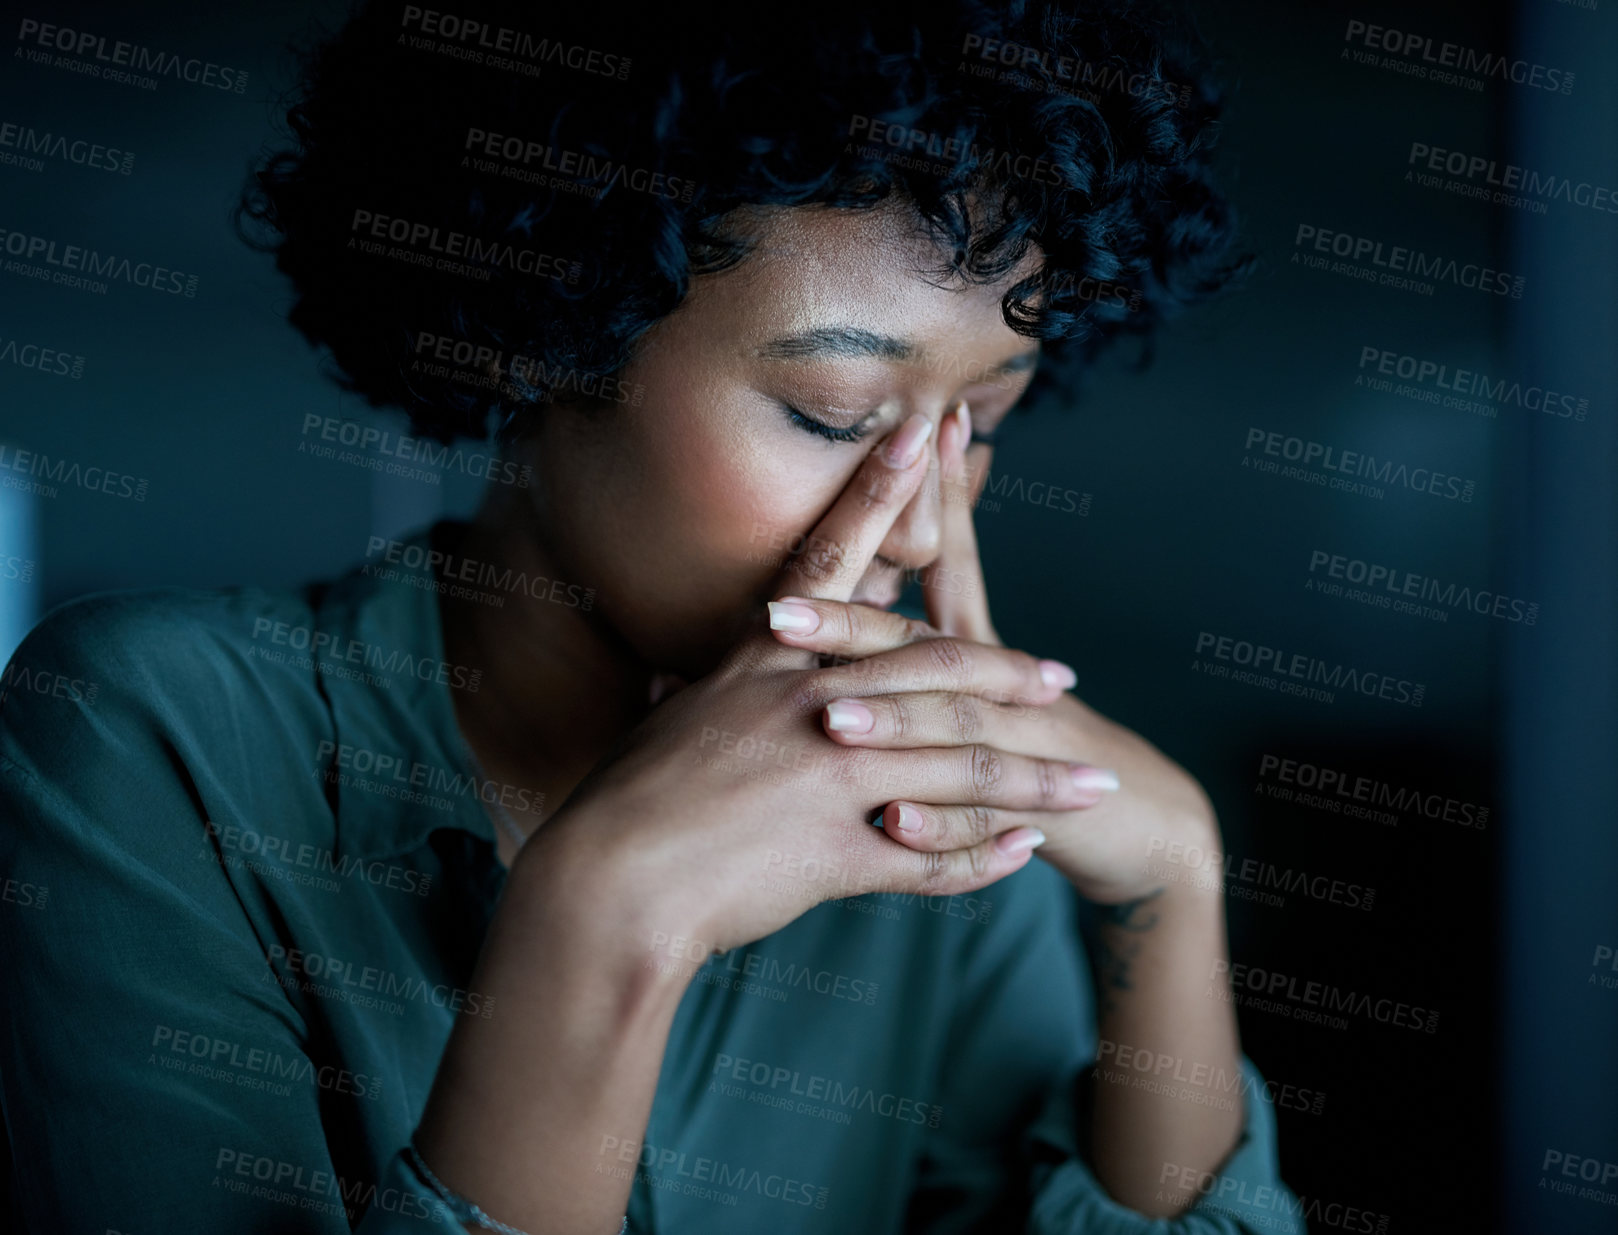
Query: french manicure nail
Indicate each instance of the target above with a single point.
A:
(909, 818)
(1087, 777)
(1018, 839)
(799, 619)
(907, 444)
(847, 716)
(964, 416)
(1056, 674)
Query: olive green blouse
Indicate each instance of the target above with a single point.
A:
(247, 867)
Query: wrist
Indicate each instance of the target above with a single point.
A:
(601, 908)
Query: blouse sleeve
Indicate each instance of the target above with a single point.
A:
(1008, 1154)
(1245, 1195)
(115, 939)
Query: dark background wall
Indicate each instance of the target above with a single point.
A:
(1492, 927)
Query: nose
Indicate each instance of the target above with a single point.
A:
(914, 540)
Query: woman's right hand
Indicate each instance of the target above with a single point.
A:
(728, 812)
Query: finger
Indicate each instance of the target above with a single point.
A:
(924, 718)
(842, 545)
(858, 632)
(943, 664)
(924, 827)
(939, 829)
(834, 628)
(953, 588)
(951, 872)
(971, 775)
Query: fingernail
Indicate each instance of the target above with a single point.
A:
(799, 619)
(909, 818)
(1087, 777)
(1056, 674)
(847, 716)
(906, 446)
(1018, 839)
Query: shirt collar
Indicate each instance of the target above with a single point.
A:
(398, 767)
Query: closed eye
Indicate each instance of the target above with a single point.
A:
(821, 429)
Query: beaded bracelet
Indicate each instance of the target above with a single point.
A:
(463, 1210)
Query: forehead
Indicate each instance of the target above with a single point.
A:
(876, 269)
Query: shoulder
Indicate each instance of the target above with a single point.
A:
(147, 648)
(125, 684)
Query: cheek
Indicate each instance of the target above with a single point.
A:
(683, 520)
(729, 517)
(742, 504)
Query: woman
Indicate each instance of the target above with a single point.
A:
(525, 876)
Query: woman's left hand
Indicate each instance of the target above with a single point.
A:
(1144, 801)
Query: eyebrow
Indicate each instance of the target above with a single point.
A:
(844, 342)
(852, 343)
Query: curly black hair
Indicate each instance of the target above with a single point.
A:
(529, 189)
